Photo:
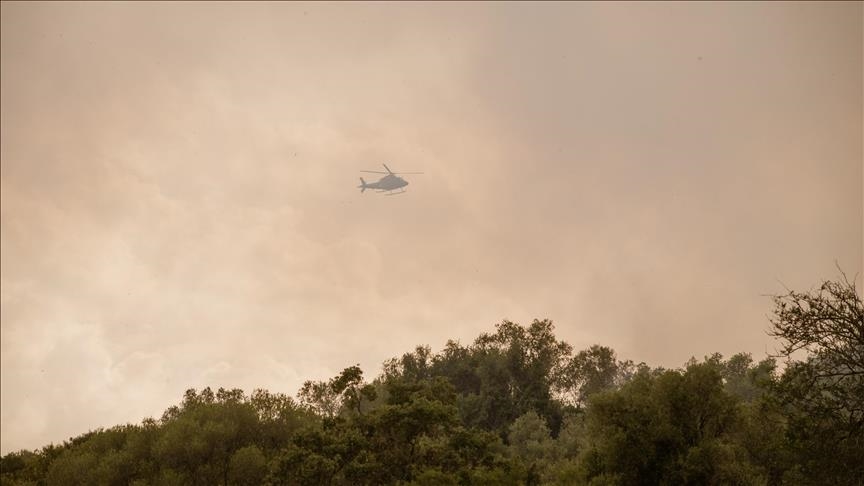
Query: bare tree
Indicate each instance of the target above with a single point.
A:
(828, 324)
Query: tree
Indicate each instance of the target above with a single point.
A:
(745, 380)
(199, 438)
(529, 438)
(320, 398)
(823, 393)
(828, 324)
(516, 369)
(670, 427)
(345, 392)
(248, 466)
(593, 370)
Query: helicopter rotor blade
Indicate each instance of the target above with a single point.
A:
(407, 172)
(388, 169)
(375, 172)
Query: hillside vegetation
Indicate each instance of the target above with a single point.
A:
(516, 406)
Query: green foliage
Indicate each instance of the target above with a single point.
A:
(515, 407)
(673, 427)
(248, 466)
(344, 393)
(594, 370)
(503, 375)
(529, 438)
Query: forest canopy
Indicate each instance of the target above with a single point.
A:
(515, 406)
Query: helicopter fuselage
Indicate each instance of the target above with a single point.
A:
(389, 182)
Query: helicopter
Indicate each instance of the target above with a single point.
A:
(389, 184)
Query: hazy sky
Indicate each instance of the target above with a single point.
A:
(179, 201)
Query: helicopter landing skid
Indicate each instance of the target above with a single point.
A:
(394, 193)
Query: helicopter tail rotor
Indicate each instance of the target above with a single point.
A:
(362, 186)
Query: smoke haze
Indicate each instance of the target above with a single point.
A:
(179, 202)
